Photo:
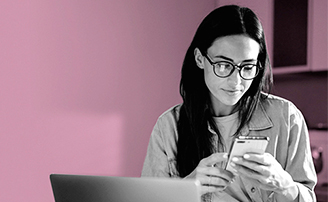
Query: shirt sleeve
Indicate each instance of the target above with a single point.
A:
(299, 161)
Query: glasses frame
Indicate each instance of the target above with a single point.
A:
(235, 66)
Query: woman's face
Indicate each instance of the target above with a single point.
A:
(226, 92)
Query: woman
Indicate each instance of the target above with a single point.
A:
(225, 71)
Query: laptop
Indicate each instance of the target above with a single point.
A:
(89, 188)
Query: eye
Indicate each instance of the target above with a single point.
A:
(248, 67)
(224, 66)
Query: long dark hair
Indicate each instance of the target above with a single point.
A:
(195, 117)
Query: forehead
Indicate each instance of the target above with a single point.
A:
(236, 47)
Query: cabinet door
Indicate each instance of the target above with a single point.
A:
(317, 38)
(319, 32)
(290, 35)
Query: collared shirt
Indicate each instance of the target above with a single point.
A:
(273, 117)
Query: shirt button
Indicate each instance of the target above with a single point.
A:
(253, 190)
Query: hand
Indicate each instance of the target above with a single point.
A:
(211, 178)
(267, 173)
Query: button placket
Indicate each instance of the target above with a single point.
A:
(254, 193)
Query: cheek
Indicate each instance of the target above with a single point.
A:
(247, 84)
(213, 82)
(207, 75)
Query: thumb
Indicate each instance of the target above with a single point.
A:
(214, 158)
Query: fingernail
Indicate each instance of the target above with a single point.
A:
(232, 164)
(246, 156)
(225, 155)
(234, 159)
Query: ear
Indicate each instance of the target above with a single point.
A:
(199, 58)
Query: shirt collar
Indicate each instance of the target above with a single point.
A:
(259, 121)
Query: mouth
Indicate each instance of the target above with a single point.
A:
(232, 92)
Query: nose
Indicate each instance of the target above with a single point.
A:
(235, 78)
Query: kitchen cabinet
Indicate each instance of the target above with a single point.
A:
(317, 32)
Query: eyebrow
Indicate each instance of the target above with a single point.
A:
(231, 60)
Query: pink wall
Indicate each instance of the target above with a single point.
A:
(82, 84)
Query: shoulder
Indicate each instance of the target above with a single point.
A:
(166, 125)
(273, 102)
(274, 99)
(165, 132)
(172, 114)
(278, 107)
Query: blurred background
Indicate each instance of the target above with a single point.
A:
(83, 83)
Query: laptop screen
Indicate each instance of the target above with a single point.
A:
(86, 188)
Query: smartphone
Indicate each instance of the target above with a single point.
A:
(246, 144)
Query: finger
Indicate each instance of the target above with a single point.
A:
(247, 165)
(258, 173)
(218, 181)
(213, 159)
(211, 189)
(215, 172)
(213, 184)
(263, 159)
(246, 171)
(225, 174)
(251, 161)
(214, 181)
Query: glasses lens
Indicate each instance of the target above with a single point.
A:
(249, 71)
(223, 69)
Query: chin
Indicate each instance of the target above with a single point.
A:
(233, 102)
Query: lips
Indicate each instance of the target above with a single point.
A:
(232, 91)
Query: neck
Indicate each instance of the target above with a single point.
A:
(219, 111)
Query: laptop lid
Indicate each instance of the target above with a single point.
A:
(86, 188)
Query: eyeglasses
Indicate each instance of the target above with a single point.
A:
(224, 69)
